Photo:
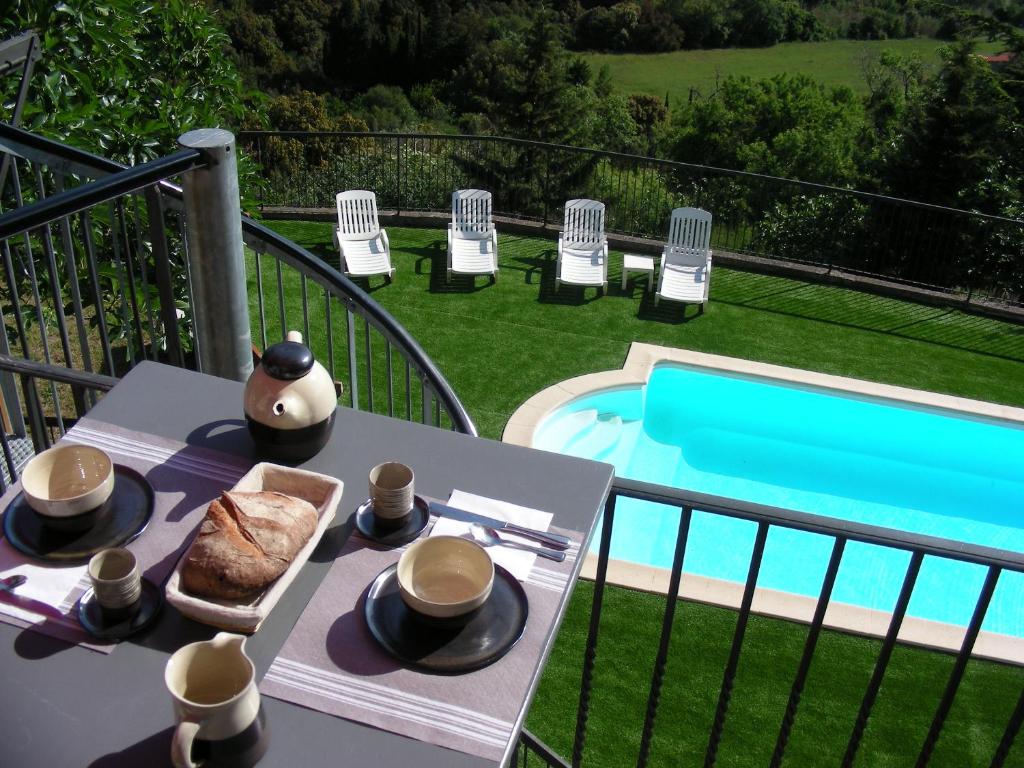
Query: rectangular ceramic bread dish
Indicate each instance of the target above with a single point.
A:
(322, 491)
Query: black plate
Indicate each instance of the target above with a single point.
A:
(366, 522)
(90, 614)
(131, 505)
(485, 638)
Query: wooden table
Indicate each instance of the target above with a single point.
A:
(68, 706)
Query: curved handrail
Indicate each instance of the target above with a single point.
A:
(99, 191)
(263, 238)
(119, 179)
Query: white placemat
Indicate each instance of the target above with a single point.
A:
(516, 561)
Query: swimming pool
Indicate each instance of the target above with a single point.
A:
(801, 447)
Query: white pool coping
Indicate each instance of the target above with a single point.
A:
(639, 363)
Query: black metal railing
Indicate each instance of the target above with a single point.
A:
(46, 424)
(95, 277)
(965, 253)
(840, 533)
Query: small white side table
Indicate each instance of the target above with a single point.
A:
(631, 262)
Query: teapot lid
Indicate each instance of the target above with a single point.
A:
(289, 359)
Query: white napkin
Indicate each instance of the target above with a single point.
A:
(57, 587)
(515, 561)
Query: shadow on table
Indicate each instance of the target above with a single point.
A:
(348, 634)
(334, 538)
(230, 436)
(152, 750)
(41, 641)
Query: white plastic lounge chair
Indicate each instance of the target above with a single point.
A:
(582, 247)
(472, 238)
(363, 244)
(686, 259)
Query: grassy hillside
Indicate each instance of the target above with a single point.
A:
(837, 62)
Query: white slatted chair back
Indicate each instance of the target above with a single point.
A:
(689, 229)
(584, 224)
(471, 214)
(357, 215)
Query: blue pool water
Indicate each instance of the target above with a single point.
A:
(800, 448)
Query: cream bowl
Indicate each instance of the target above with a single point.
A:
(68, 480)
(445, 577)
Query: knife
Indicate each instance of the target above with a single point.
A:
(551, 539)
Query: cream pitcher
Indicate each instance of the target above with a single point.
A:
(216, 704)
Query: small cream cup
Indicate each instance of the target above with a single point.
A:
(116, 582)
(392, 486)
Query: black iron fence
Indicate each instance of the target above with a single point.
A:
(961, 252)
(95, 277)
(840, 534)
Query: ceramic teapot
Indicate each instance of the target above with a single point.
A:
(290, 402)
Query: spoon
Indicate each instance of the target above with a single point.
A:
(489, 538)
(11, 582)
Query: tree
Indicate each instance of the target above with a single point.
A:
(656, 30)
(957, 138)
(895, 87)
(783, 126)
(757, 23)
(156, 70)
(703, 22)
(649, 113)
(611, 28)
(524, 82)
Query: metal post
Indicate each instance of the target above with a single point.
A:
(216, 262)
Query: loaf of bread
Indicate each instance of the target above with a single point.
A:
(245, 542)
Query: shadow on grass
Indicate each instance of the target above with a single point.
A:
(667, 312)
(567, 295)
(433, 261)
(370, 284)
(837, 306)
(535, 266)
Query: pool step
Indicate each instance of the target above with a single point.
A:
(596, 435)
(563, 429)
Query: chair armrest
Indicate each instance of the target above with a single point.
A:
(494, 240)
(337, 238)
(384, 239)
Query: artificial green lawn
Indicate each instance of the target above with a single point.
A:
(832, 63)
(499, 344)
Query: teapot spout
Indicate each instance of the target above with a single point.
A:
(292, 406)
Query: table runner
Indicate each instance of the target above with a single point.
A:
(184, 479)
(331, 663)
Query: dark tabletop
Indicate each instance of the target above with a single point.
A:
(67, 706)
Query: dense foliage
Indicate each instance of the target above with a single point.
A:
(154, 71)
(123, 79)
